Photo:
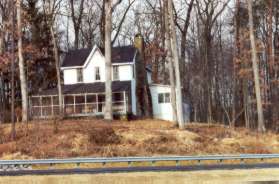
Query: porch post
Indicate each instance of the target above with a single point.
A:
(125, 105)
(52, 110)
(74, 104)
(85, 105)
(30, 106)
(41, 105)
(97, 103)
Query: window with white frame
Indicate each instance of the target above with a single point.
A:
(115, 73)
(163, 98)
(79, 75)
(97, 74)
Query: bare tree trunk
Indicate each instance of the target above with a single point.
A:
(108, 28)
(57, 67)
(170, 63)
(271, 61)
(13, 130)
(77, 20)
(261, 126)
(2, 93)
(176, 65)
(22, 75)
(236, 56)
(2, 107)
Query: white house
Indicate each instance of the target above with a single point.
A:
(84, 86)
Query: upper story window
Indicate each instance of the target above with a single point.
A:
(163, 98)
(97, 74)
(79, 75)
(115, 73)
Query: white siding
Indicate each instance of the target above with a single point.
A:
(97, 60)
(149, 77)
(70, 76)
(134, 97)
(125, 72)
(164, 110)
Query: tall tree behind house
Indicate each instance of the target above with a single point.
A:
(13, 129)
(51, 8)
(170, 62)
(76, 15)
(23, 81)
(174, 50)
(255, 60)
(144, 102)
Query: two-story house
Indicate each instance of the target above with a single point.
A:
(84, 87)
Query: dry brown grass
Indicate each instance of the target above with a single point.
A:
(80, 138)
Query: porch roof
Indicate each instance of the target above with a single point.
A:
(99, 87)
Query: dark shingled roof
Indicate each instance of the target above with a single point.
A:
(76, 58)
(99, 87)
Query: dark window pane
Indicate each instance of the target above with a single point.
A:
(160, 98)
(115, 73)
(79, 75)
(167, 98)
(80, 100)
(101, 98)
(91, 98)
(118, 97)
(97, 74)
(69, 99)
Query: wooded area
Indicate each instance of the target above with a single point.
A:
(223, 53)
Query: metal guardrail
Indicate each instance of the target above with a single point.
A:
(131, 160)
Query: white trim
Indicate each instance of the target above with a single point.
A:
(160, 85)
(120, 64)
(72, 67)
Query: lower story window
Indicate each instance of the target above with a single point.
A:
(163, 98)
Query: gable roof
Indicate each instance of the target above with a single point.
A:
(77, 58)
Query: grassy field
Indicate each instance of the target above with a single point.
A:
(96, 138)
(194, 177)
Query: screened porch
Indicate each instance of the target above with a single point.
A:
(78, 105)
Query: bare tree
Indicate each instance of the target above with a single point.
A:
(208, 13)
(4, 16)
(170, 62)
(13, 130)
(255, 60)
(51, 7)
(176, 65)
(22, 75)
(77, 19)
(108, 28)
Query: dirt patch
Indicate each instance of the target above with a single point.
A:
(103, 136)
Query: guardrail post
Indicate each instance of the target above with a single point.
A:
(78, 165)
(177, 163)
(51, 166)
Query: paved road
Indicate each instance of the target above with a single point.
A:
(237, 176)
(138, 169)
